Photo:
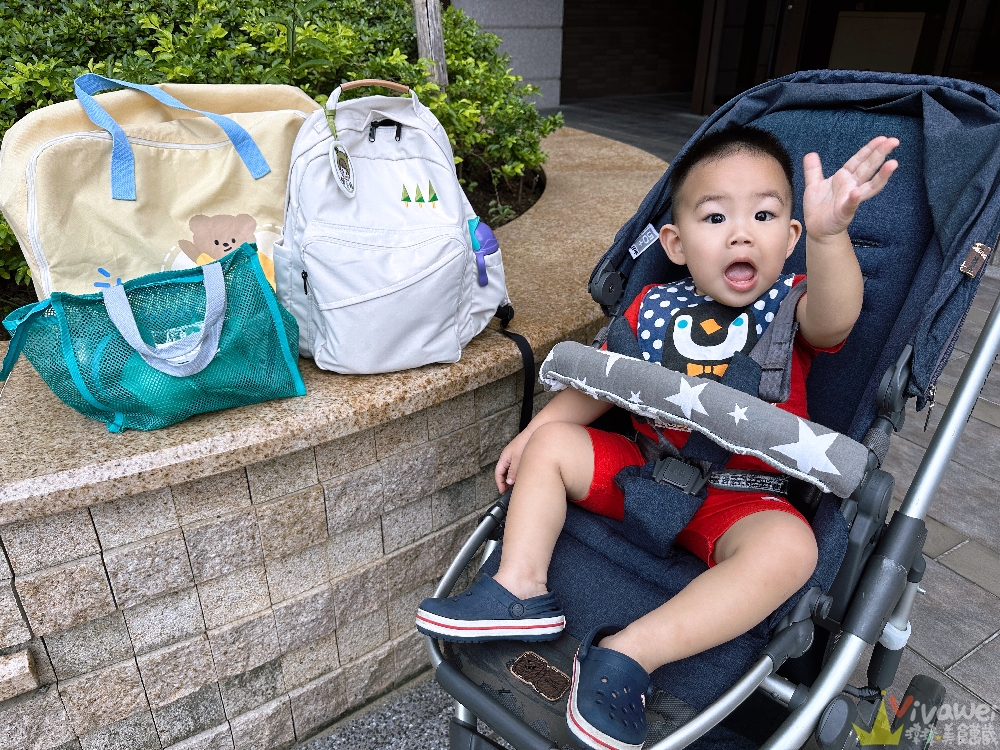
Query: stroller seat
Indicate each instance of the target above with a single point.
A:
(913, 243)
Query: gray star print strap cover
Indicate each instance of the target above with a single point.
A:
(738, 422)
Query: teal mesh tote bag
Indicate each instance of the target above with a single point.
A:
(163, 347)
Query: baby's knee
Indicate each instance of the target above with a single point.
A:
(553, 439)
(565, 448)
(800, 552)
(784, 544)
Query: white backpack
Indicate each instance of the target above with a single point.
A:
(377, 262)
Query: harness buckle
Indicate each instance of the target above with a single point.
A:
(679, 474)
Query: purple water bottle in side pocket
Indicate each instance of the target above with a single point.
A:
(484, 243)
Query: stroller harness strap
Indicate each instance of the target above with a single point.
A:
(734, 420)
(749, 481)
(773, 351)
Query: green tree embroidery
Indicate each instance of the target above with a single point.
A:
(406, 197)
(420, 197)
(432, 193)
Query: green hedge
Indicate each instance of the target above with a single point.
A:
(314, 45)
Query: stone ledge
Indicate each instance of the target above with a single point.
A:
(53, 459)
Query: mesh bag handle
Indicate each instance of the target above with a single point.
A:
(19, 333)
(203, 344)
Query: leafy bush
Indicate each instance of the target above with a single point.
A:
(316, 45)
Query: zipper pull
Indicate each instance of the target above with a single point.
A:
(305, 282)
(931, 392)
(399, 131)
(371, 130)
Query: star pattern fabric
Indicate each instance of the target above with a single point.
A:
(612, 358)
(687, 398)
(663, 302)
(786, 441)
(809, 452)
(739, 413)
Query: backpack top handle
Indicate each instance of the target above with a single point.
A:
(399, 88)
(331, 103)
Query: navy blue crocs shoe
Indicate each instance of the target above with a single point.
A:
(606, 709)
(489, 612)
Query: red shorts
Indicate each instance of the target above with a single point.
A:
(721, 509)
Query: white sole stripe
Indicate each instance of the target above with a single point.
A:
(447, 624)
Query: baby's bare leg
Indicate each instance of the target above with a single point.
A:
(558, 462)
(760, 561)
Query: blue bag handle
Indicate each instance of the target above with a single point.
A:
(122, 158)
(169, 358)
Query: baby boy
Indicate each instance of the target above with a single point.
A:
(733, 229)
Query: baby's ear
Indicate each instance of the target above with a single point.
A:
(794, 232)
(670, 238)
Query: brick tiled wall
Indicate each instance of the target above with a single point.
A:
(251, 608)
(639, 47)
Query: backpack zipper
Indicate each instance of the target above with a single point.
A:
(386, 123)
(305, 282)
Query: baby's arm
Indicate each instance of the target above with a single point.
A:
(569, 405)
(829, 310)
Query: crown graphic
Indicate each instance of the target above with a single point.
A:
(881, 733)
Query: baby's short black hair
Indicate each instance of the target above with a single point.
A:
(725, 143)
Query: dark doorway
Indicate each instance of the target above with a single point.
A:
(987, 61)
(627, 48)
(822, 18)
(737, 49)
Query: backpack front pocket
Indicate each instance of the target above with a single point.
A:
(384, 300)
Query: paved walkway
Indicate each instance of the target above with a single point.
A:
(658, 123)
(956, 623)
(956, 620)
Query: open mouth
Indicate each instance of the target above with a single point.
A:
(741, 275)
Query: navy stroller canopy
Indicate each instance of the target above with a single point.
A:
(911, 239)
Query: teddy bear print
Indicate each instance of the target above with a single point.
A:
(214, 236)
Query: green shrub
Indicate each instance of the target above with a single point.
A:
(316, 45)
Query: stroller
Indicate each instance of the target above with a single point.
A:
(923, 245)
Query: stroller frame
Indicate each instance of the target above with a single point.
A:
(863, 624)
(870, 600)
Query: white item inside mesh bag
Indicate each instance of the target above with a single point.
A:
(383, 279)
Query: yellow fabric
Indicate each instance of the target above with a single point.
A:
(196, 200)
(694, 369)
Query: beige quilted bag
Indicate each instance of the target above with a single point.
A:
(140, 185)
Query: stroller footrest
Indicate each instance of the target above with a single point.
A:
(508, 726)
(463, 737)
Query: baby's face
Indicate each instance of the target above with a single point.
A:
(733, 227)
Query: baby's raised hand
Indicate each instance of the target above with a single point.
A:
(828, 205)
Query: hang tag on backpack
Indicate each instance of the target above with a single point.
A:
(343, 168)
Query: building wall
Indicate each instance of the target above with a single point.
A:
(532, 35)
(251, 608)
(638, 47)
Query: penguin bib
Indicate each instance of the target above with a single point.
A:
(693, 334)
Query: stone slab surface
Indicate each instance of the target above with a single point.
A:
(548, 256)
